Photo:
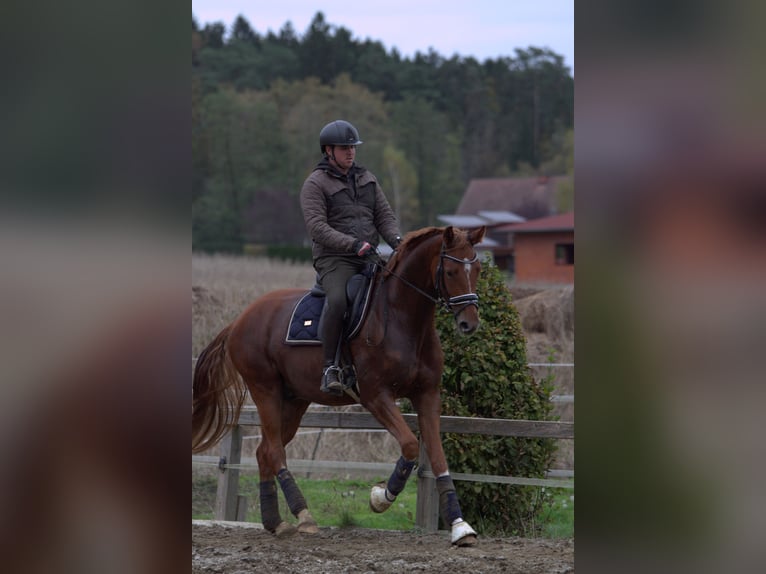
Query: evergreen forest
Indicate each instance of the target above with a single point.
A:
(430, 123)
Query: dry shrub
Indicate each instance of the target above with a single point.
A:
(223, 285)
(550, 311)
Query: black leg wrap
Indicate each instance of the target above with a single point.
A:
(270, 506)
(448, 504)
(400, 475)
(293, 495)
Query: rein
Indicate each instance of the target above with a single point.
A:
(444, 303)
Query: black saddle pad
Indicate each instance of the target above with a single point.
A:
(304, 322)
(303, 328)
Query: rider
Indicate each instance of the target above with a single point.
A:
(345, 212)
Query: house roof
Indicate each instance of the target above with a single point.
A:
(501, 217)
(487, 242)
(528, 197)
(561, 222)
(464, 221)
(490, 218)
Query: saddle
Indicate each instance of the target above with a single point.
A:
(303, 327)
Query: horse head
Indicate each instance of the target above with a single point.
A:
(456, 275)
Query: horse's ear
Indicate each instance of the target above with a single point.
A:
(477, 235)
(449, 235)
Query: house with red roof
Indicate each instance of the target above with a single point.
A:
(542, 250)
(522, 225)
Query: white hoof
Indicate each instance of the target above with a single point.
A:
(378, 500)
(463, 534)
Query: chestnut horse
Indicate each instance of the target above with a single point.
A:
(397, 355)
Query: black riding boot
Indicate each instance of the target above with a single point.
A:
(331, 379)
(330, 333)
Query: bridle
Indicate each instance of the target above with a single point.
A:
(442, 299)
(458, 300)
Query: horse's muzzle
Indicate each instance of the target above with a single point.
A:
(467, 320)
(467, 328)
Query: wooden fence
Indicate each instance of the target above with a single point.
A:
(231, 506)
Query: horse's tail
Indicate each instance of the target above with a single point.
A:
(218, 394)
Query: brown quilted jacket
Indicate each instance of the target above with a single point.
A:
(340, 210)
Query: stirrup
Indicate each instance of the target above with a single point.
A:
(349, 376)
(335, 387)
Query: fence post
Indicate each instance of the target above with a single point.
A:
(427, 508)
(228, 479)
(241, 508)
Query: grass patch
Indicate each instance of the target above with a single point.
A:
(203, 496)
(345, 504)
(557, 517)
(340, 503)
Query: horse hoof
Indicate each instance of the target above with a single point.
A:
(378, 501)
(308, 528)
(285, 530)
(306, 523)
(463, 534)
(469, 540)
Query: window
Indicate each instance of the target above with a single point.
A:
(565, 254)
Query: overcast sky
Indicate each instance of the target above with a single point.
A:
(479, 28)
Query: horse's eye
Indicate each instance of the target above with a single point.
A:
(450, 273)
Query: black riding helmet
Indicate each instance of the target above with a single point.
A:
(339, 132)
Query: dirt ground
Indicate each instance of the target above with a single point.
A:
(239, 548)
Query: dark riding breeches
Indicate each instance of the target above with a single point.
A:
(334, 272)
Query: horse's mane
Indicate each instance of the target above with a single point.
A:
(409, 243)
(415, 238)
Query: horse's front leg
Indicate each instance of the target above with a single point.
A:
(384, 409)
(428, 407)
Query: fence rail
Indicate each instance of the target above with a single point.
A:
(229, 505)
(306, 465)
(462, 425)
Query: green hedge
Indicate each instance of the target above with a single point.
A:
(486, 375)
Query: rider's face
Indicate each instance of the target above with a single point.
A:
(344, 156)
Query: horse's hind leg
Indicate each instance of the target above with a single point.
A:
(271, 456)
(270, 516)
(279, 422)
(292, 413)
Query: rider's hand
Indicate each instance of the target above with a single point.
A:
(362, 248)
